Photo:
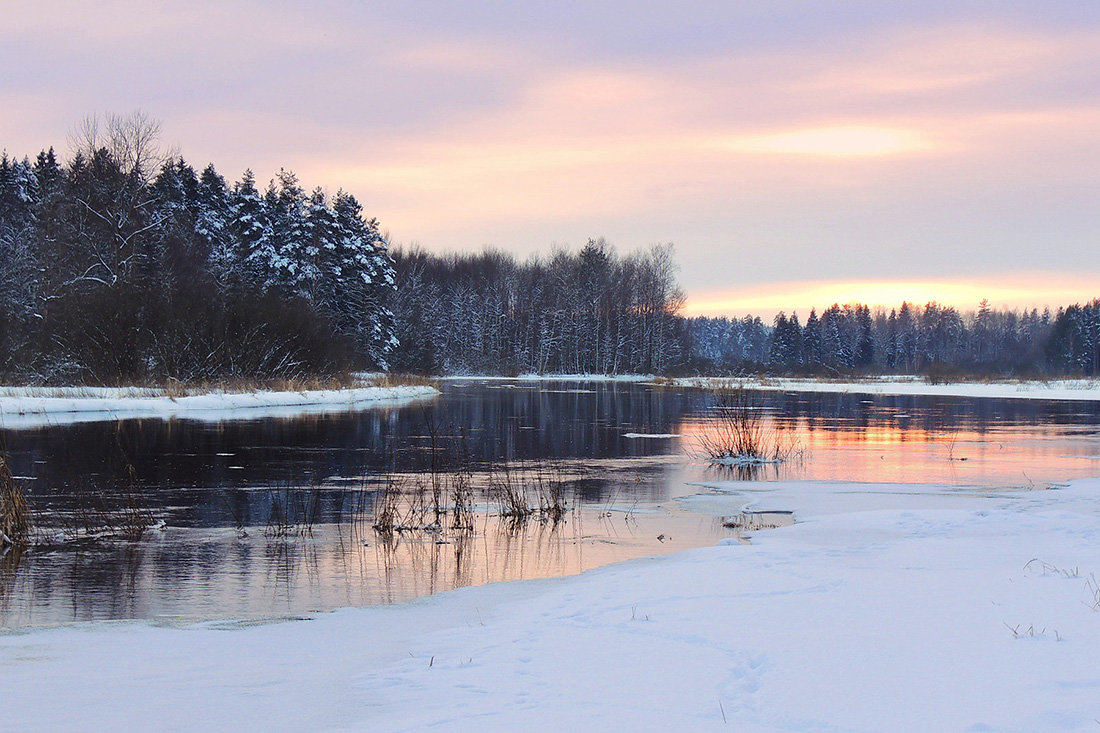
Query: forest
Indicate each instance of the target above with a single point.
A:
(934, 340)
(597, 312)
(127, 265)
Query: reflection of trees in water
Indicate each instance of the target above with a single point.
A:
(856, 417)
(524, 422)
(850, 411)
(181, 458)
(190, 485)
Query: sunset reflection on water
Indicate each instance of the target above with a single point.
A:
(930, 443)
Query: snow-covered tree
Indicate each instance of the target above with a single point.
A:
(213, 226)
(251, 229)
(360, 270)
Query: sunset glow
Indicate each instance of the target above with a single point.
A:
(1038, 291)
(839, 142)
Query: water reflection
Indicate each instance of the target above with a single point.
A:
(189, 574)
(1004, 443)
(207, 480)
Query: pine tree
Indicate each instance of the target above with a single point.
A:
(892, 340)
(865, 345)
(779, 354)
(287, 263)
(797, 341)
(251, 230)
(812, 346)
(364, 276)
(20, 281)
(832, 340)
(213, 225)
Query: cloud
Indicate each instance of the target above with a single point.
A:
(837, 141)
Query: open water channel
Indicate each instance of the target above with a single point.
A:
(306, 491)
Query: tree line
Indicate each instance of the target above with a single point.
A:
(127, 265)
(598, 312)
(932, 339)
(589, 312)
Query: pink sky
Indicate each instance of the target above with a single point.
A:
(795, 156)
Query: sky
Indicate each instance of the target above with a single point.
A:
(796, 153)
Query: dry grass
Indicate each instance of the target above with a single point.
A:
(389, 516)
(445, 498)
(425, 503)
(740, 432)
(176, 389)
(292, 511)
(462, 500)
(510, 492)
(15, 512)
(118, 512)
(388, 379)
(530, 490)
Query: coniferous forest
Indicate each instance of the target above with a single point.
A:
(125, 264)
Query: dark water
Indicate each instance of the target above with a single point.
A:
(205, 479)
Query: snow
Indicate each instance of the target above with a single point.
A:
(1057, 389)
(886, 607)
(626, 378)
(29, 407)
(742, 461)
(1060, 389)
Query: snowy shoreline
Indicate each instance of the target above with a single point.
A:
(29, 407)
(1087, 390)
(887, 607)
(626, 378)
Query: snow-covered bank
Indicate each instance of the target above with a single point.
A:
(553, 378)
(34, 407)
(1058, 389)
(1061, 389)
(913, 608)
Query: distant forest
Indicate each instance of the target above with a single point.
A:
(126, 265)
(600, 313)
(934, 340)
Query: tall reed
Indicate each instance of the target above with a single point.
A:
(15, 511)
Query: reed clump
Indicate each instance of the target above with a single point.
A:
(739, 434)
(292, 511)
(15, 511)
(118, 512)
(529, 491)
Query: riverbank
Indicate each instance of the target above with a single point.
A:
(1087, 390)
(28, 407)
(902, 607)
(1055, 389)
